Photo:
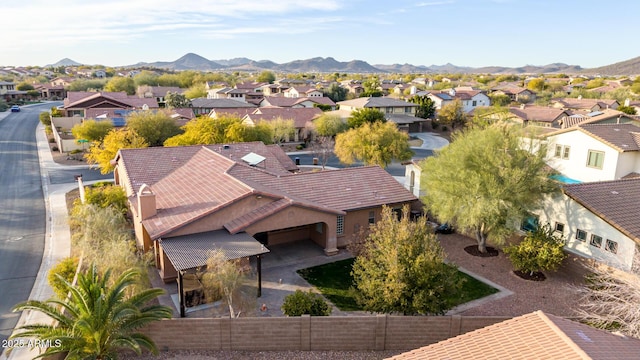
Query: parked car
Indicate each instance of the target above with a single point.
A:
(445, 228)
(15, 108)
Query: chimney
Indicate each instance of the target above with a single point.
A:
(146, 202)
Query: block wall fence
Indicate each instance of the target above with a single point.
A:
(341, 333)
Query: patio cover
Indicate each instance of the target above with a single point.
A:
(191, 251)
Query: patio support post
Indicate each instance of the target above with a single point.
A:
(181, 294)
(259, 263)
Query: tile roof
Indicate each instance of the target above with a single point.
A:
(368, 102)
(585, 104)
(622, 137)
(219, 103)
(617, 202)
(194, 181)
(531, 336)
(538, 113)
(191, 251)
(279, 101)
(197, 188)
(300, 116)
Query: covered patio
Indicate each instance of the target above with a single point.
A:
(191, 251)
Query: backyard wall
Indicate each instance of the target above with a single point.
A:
(382, 332)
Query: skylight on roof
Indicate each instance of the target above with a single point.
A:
(253, 159)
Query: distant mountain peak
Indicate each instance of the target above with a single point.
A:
(64, 62)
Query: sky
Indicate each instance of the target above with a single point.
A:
(475, 33)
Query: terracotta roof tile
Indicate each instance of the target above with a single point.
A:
(617, 202)
(538, 113)
(300, 116)
(194, 181)
(531, 336)
(623, 137)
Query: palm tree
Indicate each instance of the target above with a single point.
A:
(96, 320)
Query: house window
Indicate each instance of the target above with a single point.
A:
(372, 217)
(407, 109)
(340, 225)
(474, 103)
(581, 235)
(559, 227)
(530, 223)
(595, 159)
(565, 152)
(389, 110)
(558, 152)
(611, 246)
(596, 240)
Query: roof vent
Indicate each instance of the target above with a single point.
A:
(225, 147)
(614, 192)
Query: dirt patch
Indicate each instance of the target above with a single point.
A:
(535, 276)
(473, 250)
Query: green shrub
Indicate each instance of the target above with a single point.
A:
(444, 128)
(75, 151)
(48, 130)
(299, 147)
(66, 268)
(107, 196)
(301, 303)
(45, 118)
(435, 125)
(540, 250)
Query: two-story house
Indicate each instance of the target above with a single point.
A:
(595, 152)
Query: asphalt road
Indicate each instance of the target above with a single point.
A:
(395, 168)
(22, 212)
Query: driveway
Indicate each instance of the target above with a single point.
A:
(430, 141)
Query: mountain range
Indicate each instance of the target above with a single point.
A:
(193, 61)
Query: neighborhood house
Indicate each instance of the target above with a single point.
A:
(236, 193)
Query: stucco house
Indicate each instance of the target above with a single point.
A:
(469, 98)
(515, 92)
(595, 152)
(599, 220)
(538, 116)
(400, 112)
(245, 191)
(302, 91)
(78, 103)
(204, 106)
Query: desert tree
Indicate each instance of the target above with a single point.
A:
(176, 100)
(223, 277)
(367, 115)
(401, 268)
(329, 125)
(452, 114)
(373, 144)
(102, 153)
(92, 130)
(486, 180)
(155, 127)
(121, 83)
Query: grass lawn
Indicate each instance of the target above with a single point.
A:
(334, 282)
